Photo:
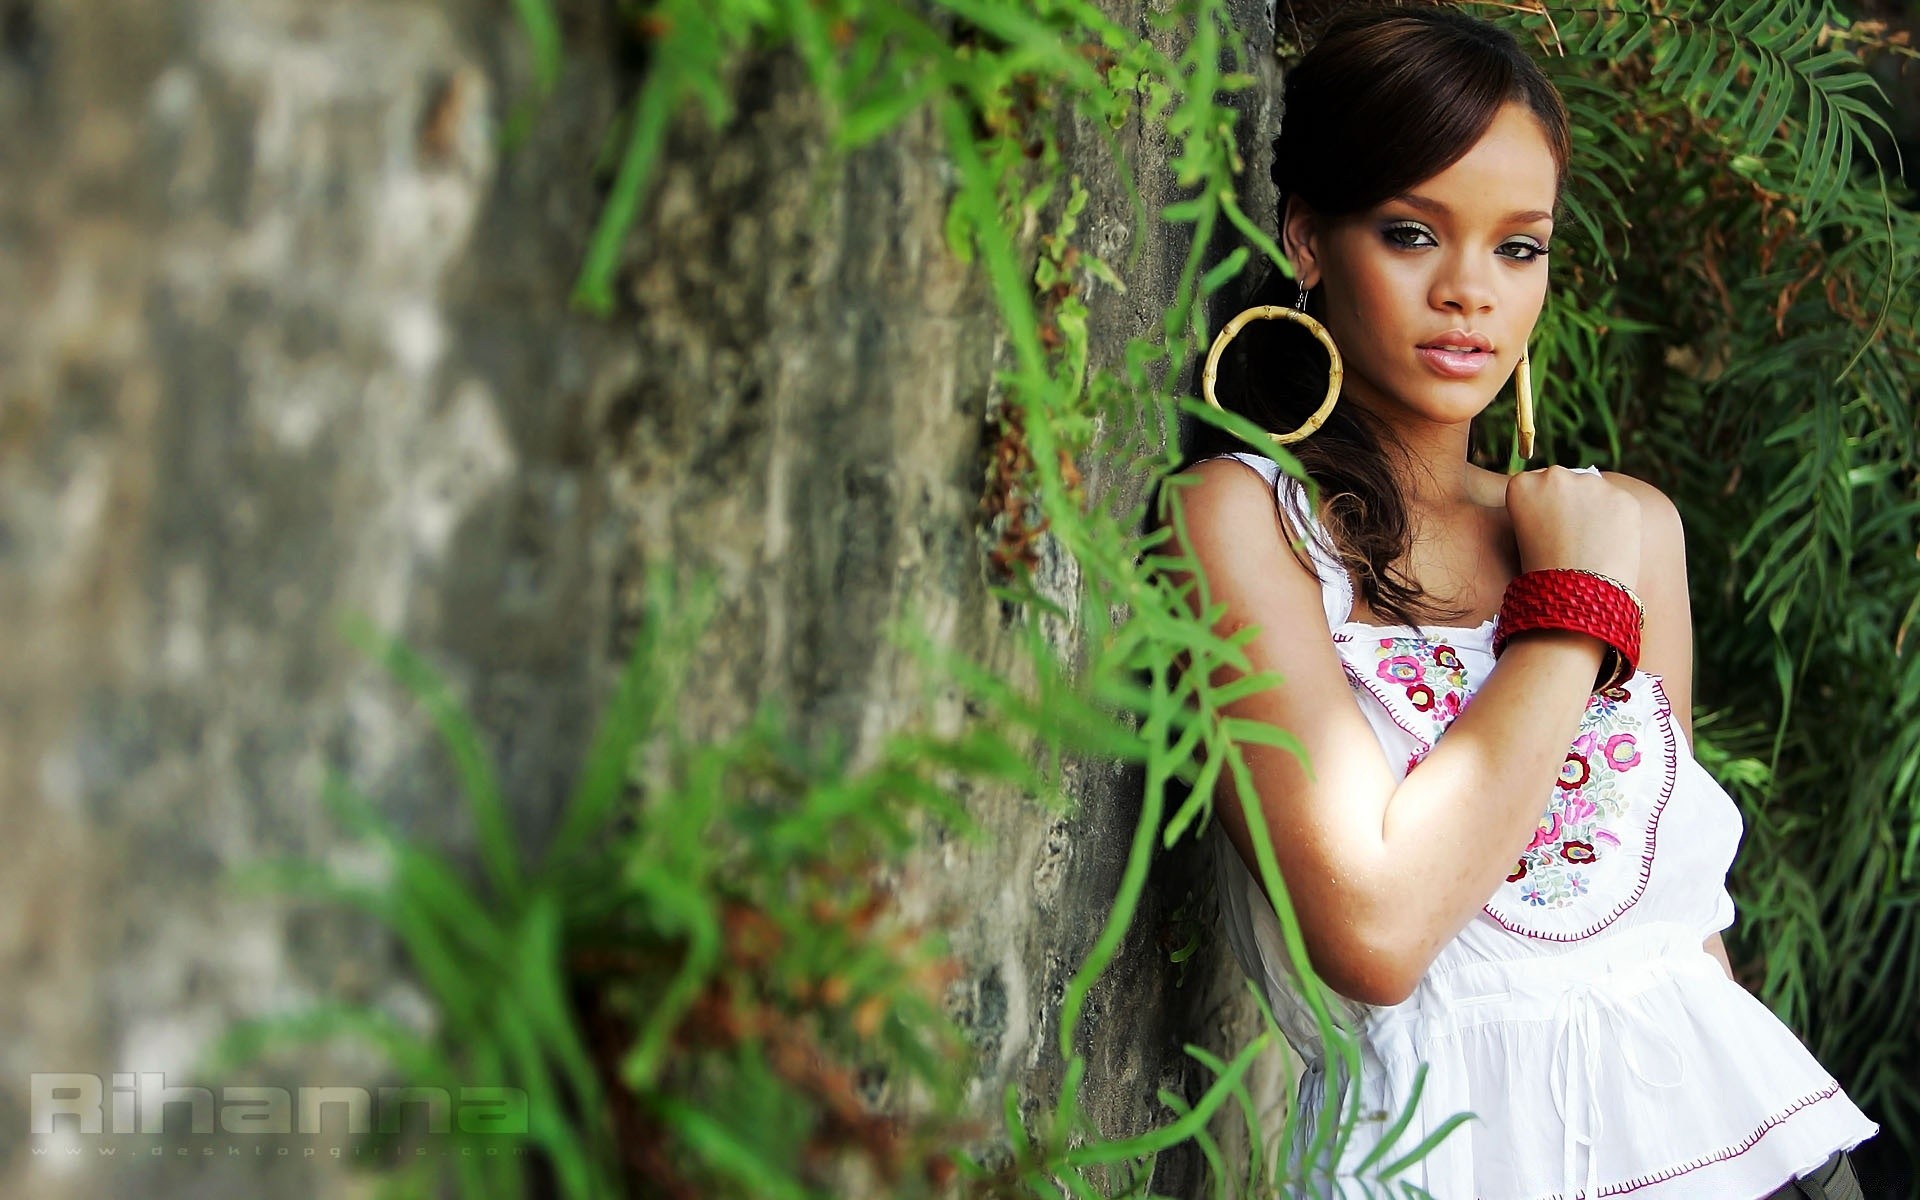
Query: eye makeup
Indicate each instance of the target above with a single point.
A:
(1403, 235)
(1394, 231)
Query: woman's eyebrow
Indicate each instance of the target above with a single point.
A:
(1427, 204)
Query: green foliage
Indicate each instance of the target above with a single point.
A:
(490, 959)
(721, 935)
(1746, 68)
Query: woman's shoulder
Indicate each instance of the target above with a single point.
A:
(1238, 493)
(1254, 549)
(1657, 511)
(1666, 647)
(1248, 481)
(1241, 481)
(1663, 538)
(1654, 504)
(1223, 463)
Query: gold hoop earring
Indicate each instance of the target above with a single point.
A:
(1335, 371)
(1523, 402)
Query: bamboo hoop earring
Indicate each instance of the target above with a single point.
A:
(1523, 402)
(1266, 312)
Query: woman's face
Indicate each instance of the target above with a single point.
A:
(1431, 295)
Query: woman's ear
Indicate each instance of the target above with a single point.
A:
(1300, 238)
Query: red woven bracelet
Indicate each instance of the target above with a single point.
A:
(1580, 601)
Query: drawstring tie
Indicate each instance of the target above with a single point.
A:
(1587, 1011)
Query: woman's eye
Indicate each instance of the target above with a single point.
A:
(1527, 251)
(1413, 237)
(1406, 236)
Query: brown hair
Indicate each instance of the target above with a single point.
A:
(1385, 99)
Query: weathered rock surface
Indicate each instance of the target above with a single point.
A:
(284, 337)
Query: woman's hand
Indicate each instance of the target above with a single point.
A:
(1564, 518)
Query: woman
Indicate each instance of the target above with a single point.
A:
(1532, 904)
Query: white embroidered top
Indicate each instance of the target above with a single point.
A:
(1602, 1050)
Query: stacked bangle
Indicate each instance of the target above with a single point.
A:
(1581, 601)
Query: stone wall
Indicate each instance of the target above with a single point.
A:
(284, 337)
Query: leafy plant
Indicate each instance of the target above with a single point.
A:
(720, 936)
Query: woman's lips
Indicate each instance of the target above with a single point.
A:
(1454, 364)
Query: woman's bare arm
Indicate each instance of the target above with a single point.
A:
(1383, 872)
(1666, 645)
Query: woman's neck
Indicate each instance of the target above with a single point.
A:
(1432, 469)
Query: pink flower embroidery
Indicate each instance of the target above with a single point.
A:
(1432, 678)
(1549, 831)
(1621, 752)
(1595, 809)
(1401, 668)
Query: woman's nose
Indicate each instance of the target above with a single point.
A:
(1462, 287)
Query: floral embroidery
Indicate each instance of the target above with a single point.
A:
(1549, 830)
(1590, 855)
(1401, 668)
(1429, 673)
(1575, 771)
(1620, 752)
(1608, 699)
(1590, 798)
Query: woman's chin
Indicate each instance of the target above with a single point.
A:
(1444, 404)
